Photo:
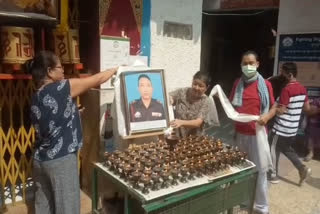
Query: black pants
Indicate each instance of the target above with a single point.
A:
(284, 145)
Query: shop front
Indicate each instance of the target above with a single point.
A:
(27, 28)
(164, 174)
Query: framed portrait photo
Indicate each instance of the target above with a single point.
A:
(145, 100)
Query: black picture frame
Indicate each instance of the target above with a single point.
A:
(145, 126)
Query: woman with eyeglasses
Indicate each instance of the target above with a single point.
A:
(55, 117)
(191, 106)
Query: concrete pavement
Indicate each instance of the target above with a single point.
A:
(288, 198)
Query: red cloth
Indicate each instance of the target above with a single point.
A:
(120, 18)
(291, 90)
(250, 105)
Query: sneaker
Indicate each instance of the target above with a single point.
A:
(258, 212)
(274, 180)
(304, 174)
(255, 211)
(308, 157)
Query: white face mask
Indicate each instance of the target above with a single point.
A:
(249, 70)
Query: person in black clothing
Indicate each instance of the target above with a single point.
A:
(146, 108)
(278, 83)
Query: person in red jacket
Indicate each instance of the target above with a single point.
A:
(252, 94)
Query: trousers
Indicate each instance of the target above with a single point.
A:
(57, 189)
(248, 144)
(284, 145)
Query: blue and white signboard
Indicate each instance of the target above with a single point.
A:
(300, 47)
(304, 50)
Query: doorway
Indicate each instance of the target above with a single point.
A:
(227, 35)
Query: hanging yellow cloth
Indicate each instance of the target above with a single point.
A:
(64, 9)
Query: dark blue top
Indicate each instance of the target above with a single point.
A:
(55, 117)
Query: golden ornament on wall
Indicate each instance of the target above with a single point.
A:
(137, 6)
(104, 6)
(66, 46)
(73, 37)
(17, 44)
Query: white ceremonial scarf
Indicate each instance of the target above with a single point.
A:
(261, 133)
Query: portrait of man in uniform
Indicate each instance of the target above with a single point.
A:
(146, 108)
(145, 100)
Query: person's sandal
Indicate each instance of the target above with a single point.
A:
(304, 174)
(274, 180)
(309, 157)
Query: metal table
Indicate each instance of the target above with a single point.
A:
(225, 194)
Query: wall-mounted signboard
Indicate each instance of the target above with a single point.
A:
(304, 50)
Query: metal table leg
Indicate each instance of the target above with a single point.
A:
(230, 211)
(94, 190)
(127, 204)
(253, 196)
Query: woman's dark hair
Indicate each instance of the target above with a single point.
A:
(290, 68)
(38, 66)
(203, 76)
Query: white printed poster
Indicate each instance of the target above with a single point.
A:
(114, 51)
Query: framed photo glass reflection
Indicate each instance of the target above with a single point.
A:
(146, 101)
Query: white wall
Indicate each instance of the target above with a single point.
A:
(180, 58)
(297, 16)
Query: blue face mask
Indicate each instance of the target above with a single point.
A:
(249, 70)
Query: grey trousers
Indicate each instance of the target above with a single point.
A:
(248, 144)
(57, 189)
(284, 145)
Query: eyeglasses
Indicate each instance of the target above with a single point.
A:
(60, 67)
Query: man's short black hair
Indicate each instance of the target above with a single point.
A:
(290, 68)
(143, 76)
(249, 53)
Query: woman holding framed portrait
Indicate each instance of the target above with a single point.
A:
(58, 133)
(191, 106)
